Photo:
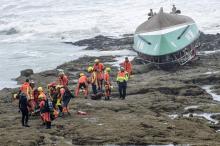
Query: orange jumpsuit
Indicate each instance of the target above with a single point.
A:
(127, 66)
(45, 116)
(82, 84)
(99, 68)
(107, 84)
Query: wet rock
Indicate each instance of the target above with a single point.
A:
(27, 72)
(216, 117)
(209, 42)
(11, 31)
(105, 43)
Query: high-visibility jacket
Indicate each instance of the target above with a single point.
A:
(99, 68)
(82, 79)
(127, 66)
(63, 81)
(107, 78)
(93, 78)
(122, 76)
(25, 88)
(42, 96)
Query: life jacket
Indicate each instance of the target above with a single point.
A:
(42, 96)
(107, 78)
(63, 81)
(25, 88)
(122, 76)
(82, 79)
(98, 67)
(127, 66)
(99, 71)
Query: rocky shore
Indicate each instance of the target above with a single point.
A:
(173, 106)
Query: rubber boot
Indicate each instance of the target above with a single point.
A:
(48, 125)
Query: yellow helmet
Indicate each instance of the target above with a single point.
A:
(90, 69)
(96, 61)
(39, 89)
(108, 69)
(81, 74)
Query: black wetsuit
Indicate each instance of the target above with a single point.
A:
(23, 104)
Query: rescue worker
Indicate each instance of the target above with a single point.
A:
(99, 68)
(107, 83)
(44, 108)
(122, 78)
(93, 79)
(151, 13)
(66, 97)
(25, 88)
(62, 79)
(31, 100)
(82, 84)
(23, 108)
(127, 66)
(59, 98)
(52, 89)
(174, 9)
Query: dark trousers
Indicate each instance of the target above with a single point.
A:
(24, 119)
(100, 87)
(94, 88)
(122, 86)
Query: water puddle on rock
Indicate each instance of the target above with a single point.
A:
(208, 89)
(191, 107)
(207, 116)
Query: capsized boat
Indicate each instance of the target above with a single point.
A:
(167, 38)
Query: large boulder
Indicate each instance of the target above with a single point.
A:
(27, 72)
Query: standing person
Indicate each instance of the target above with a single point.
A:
(25, 88)
(31, 100)
(59, 98)
(99, 68)
(107, 83)
(174, 9)
(82, 84)
(44, 108)
(93, 80)
(62, 79)
(151, 13)
(23, 108)
(122, 79)
(127, 66)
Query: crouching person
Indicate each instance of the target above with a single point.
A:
(82, 85)
(44, 108)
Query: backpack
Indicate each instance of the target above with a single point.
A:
(48, 106)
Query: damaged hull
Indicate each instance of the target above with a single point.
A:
(169, 44)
